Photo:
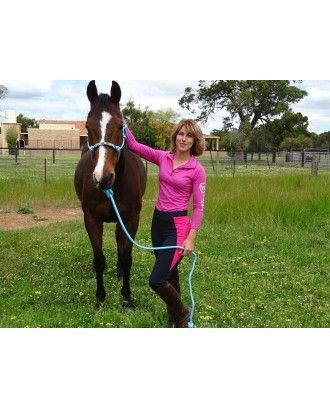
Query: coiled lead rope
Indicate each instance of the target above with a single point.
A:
(109, 194)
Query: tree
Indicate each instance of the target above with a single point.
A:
(261, 140)
(26, 122)
(250, 102)
(230, 141)
(323, 140)
(163, 121)
(3, 91)
(11, 138)
(290, 125)
(299, 142)
(138, 122)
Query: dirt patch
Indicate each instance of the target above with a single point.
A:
(12, 221)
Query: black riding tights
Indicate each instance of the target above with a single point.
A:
(168, 229)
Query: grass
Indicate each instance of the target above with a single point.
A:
(263, 259)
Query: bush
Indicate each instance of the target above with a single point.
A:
(11, 137)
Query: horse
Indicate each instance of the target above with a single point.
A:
(106, 163)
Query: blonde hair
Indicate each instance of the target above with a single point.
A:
(194, 130)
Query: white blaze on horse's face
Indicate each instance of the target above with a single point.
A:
(98, 172)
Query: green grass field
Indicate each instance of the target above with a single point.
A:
(263, 258)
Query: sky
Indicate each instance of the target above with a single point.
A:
(66, 99)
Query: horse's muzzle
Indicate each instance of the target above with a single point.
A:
(106, 182)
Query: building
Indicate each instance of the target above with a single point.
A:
(212, 142)
(57, 134)
(9, 122)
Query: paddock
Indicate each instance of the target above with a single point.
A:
(263, 256)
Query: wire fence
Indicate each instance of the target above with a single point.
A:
(54, 164)
(223, 162)
(38, 164)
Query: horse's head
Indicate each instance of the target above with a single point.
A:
(104, 126)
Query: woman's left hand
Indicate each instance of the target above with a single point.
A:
(189, 247)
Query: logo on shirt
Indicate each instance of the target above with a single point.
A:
(202, 188)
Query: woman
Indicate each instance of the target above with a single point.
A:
(180, 177)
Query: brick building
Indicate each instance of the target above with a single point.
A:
(57, 134)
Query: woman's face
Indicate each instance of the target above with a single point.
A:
(184, 141)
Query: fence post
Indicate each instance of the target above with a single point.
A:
(303, 158)
(274, 157)
(212, 161)
(315, 165)
(268, 160)
(53, 156)
(45, 170)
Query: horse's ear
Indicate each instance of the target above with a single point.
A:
(115, 93)
(92, 92)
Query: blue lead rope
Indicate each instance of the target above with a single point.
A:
(109, 194)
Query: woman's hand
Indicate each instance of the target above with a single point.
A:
(189, 246)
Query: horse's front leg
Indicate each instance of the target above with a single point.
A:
(124, 251)
(95, 232)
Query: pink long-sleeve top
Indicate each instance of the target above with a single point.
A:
(175, 186)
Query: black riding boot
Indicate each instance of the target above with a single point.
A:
(172, 299)
(171, 319)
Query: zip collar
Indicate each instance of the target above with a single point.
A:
(191, 163)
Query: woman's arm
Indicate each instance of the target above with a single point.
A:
(142, 150)
(198, 210)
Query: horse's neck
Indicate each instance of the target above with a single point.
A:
(120, 168)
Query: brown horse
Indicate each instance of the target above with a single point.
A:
(103, 166)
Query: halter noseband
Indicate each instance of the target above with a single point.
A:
(107, 144)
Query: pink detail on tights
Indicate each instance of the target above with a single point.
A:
(182, 225)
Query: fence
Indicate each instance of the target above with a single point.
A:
(43, 164)
(220, 161)
(38, 164)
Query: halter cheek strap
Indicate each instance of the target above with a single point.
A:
(117, 148)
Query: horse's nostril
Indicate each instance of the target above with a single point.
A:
(107, 181)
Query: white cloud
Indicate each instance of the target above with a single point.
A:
(27, 88)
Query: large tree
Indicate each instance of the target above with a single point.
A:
(249, 102)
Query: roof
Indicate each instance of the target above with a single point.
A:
(79, 124)
(211, 137)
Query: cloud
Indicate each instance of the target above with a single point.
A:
(316, 105)
(22, 89)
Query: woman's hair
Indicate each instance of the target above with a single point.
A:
(194, 130)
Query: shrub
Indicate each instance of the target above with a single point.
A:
(11, 137)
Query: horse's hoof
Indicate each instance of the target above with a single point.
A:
(128, 306)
